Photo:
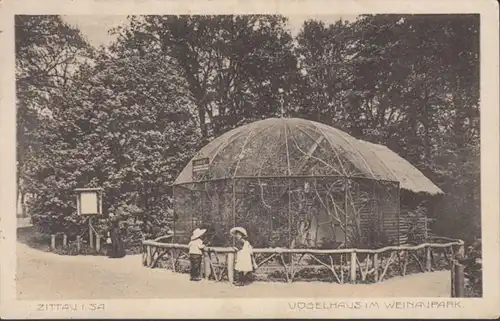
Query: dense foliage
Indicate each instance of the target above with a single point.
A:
(47, 50)
(473, 268)
(234, 65)
(412, 84)
(128, 117)
(124, 125)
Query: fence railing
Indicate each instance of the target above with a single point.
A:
(332, 265)
(61, 241)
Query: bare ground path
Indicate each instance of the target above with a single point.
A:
(48, 276)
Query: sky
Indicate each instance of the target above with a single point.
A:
(96, 27)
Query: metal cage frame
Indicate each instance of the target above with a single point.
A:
(383, 198)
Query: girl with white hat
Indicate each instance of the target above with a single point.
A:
(195, 253)
(244, 264)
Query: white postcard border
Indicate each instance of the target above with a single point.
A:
(488, 306)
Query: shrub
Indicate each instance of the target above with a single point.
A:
(473, 269)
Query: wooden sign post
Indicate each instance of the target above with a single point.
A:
(89, 204)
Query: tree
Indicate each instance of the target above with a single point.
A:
(131, 117)
(47, 52)
(234, 65)
(411, 83)
(324, 53)
(125, 126)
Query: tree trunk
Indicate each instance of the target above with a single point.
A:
(23, 205)
(425, 123)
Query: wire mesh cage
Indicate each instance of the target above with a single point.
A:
(289, 212)
(295, 183)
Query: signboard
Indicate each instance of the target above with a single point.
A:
(89, 201)
(200, 168)
(200, 165)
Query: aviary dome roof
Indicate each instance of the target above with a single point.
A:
(280, 147)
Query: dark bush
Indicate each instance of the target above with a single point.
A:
(473, 270)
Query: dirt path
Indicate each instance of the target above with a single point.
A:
(47, 276)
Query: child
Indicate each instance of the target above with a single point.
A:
(244, 264)
(195, 253)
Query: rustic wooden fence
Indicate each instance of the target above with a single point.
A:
(60, 240)
(332, 265)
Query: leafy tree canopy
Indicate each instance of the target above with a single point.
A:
(128, 117)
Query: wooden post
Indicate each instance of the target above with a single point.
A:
(78, 204)
(426, 232)
(353, 266)
(91, 236)
(174, 253)
(78, 243)
(207, 269)
(202, 266)
(149, 259)
(461, 252)
(452, 280)
(97, 243)
(230, 267)
(100, 201)
(342, 268)
(52, 242)
(459, 281)
(428, 259)
(65, 241)
(375, 266)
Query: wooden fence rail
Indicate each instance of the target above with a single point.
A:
(341, 265)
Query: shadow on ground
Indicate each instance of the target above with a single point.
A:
(29, 236)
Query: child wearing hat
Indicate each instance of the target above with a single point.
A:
(244, 264)
(196, 247)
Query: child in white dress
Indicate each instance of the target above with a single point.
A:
(244, 263)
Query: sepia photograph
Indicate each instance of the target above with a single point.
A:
(249, 156)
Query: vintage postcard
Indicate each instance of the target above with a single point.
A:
(249, 159)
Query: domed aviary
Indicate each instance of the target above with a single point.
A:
(294, 182)
(281, 147)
